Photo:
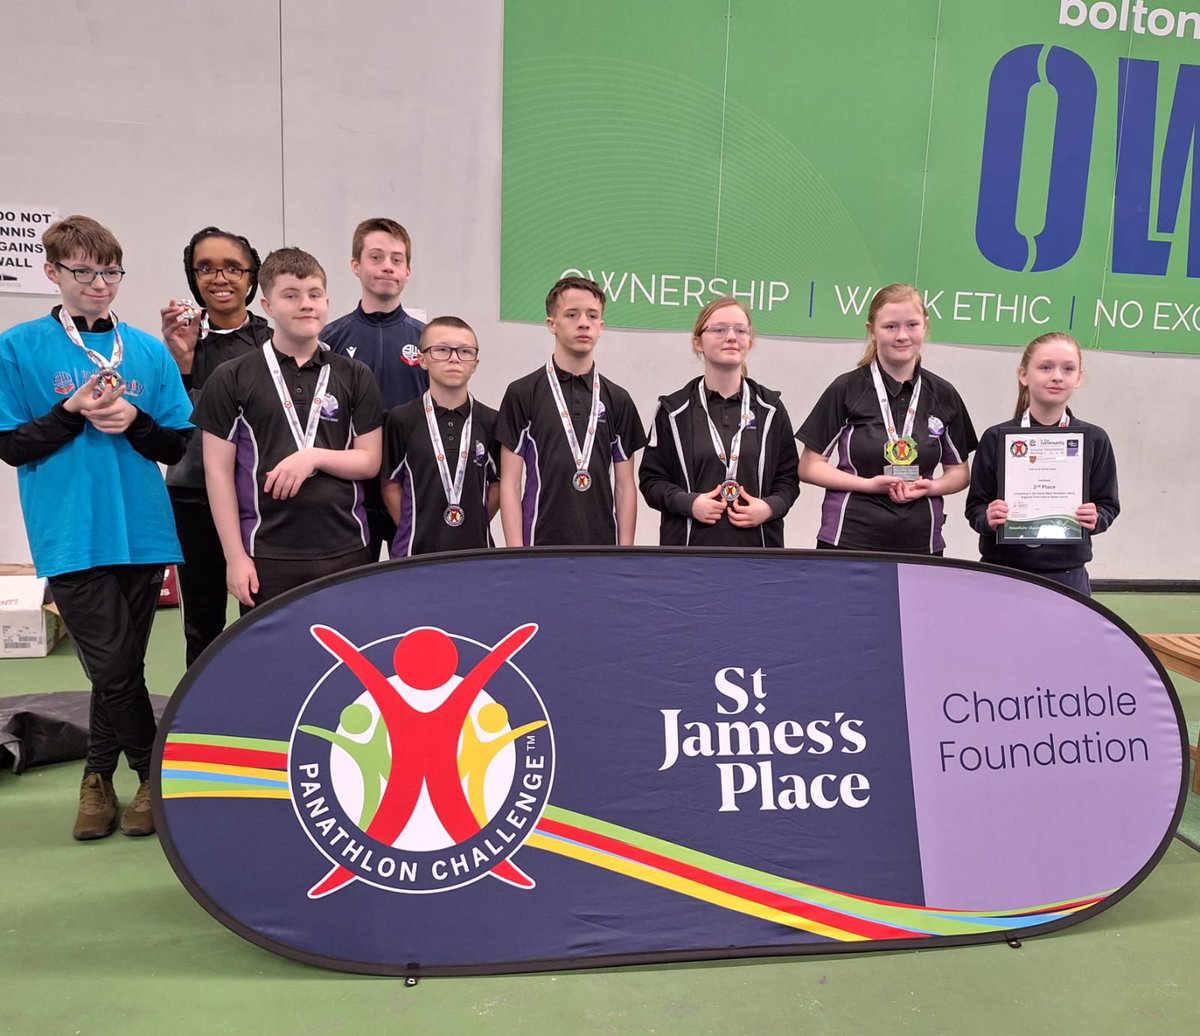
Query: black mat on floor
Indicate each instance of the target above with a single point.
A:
(37, 729)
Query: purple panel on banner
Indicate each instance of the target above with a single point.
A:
(1009, 804)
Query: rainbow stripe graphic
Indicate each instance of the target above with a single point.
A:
(211, 766)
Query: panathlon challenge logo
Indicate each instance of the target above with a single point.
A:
(420, 763)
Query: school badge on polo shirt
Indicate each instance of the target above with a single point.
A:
(480, 454)
(411, 354)
(329, 407)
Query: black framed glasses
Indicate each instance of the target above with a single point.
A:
(466, 353)
(232, 271)
(85, 274)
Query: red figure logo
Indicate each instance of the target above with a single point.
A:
(424, 745)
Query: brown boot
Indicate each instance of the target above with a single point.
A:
(137, 818)
(97, 816)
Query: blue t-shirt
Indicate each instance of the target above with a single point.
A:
(95, 500)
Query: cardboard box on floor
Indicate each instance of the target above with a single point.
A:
(29, 626)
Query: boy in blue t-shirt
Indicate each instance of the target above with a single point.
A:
(89, 407)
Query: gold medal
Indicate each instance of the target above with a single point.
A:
(901, 451)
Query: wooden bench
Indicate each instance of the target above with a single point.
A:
(1180, 652)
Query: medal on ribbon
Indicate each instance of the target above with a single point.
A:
(454, 515)
(1062, 421)
(581, 480)
(306, 436)
(107, 375)
(900, 450)
(730, 489)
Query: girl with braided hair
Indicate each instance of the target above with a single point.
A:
(222, 272)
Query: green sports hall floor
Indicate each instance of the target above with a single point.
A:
(101, 938)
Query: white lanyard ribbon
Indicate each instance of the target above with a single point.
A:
(453, 489)
(207, 329)
(885, 408)
(1062, 421)
(731, 460)
(105, 365)
(307, 436)
(582, 455)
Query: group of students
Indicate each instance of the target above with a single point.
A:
(297, 449)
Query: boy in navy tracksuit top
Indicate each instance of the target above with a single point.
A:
(382, 335)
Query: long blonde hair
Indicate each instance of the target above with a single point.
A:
(707, 310)
(884, 296)
(1027, 359)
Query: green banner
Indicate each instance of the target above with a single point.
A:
(1030, 165)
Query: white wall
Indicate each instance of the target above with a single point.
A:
(395, 110)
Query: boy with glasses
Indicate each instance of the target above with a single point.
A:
(89, 407)
(440, 456)
(381, 334)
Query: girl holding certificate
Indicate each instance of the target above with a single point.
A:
(893, 423)
(1051, 370)
(721, 463)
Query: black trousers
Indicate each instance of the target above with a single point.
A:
(276, 576)
(108, 611)
(203, 597)
(380, 526)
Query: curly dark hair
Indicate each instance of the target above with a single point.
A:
(238, 239)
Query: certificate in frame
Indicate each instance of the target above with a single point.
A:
(1043, 477)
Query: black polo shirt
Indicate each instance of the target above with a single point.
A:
(326, 518)
(219, 346)
(185, 480)
(409, 461)
(847, 418)
(554, 512)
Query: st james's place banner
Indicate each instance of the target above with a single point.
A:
(526, 760)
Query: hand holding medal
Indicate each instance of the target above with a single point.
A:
(749, 512)
(707, 508)
(180, 330)
(729, 491)
(99, 400)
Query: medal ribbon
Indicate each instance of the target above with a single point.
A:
(206, 329)
(582, 456)
(307, 436)
(885, 408)
(98, 359)
(1062, 421)
(730, 461)
(453, 490)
